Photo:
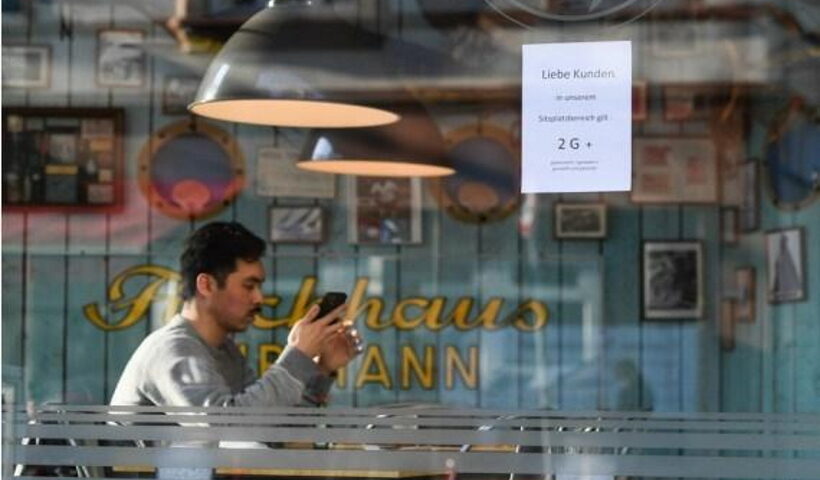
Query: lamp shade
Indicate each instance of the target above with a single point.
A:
(411, 147)
(296, 64)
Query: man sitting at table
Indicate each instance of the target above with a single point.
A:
(193, 361)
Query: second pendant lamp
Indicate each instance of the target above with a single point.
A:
(411, 147)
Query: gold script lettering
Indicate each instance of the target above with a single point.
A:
(137, 305)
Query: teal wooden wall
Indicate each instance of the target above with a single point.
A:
(55, 264)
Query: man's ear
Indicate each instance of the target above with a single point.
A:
(205, 284)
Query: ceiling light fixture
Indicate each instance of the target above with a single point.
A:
(297, 64)
(411, 147)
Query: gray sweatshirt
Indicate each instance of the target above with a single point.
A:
(173, 366)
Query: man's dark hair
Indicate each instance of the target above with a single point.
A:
(214, 249)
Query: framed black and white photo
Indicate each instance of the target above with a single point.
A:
(786, 273)
(672, 279)
(178, 93)
(26, 66)
(297, 224)
(580, 220)
(120, 58)
(384, 211)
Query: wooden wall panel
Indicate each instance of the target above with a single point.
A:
(624, 379)
(499, 277)
(419, 278)
(85, 342)
(43, 341)
(538, 353)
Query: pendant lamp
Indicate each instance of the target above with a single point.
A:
(297, 64)
(411, 147)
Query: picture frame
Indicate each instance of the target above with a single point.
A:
(786, 266)
(63, 159)
(177, 93)
(674, 170)
(278, 176)
(749, 211)
(640, 101)
(746, 295)
(672, 279)
(580, 220)
(384, 210)
(27, 66)
(729, 230)
(297, 224)
(121, 59)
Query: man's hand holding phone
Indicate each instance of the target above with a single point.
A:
(319, 333)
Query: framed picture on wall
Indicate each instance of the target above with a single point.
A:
(120, 58)
(384, 211)
(786, 272)
(177, 94)
(580, 220)
(749, 213)
(297, 224)
(672, 279)
(62, 159)
(674, 170)
(746, 288)
(26, 66)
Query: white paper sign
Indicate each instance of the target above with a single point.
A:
(278, 176)
(576, 117)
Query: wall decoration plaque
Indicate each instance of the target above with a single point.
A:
(62, 159)
(191, 169)
(486, 185)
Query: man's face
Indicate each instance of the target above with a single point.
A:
(235, 304)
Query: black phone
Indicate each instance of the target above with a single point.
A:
(330, 301)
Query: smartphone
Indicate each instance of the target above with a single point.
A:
(330, 301)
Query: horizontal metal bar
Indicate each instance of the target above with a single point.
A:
(441, 411)
(434, 462)
(421, 422)
(715, 441)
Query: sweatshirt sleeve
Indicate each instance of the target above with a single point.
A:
(188, 375)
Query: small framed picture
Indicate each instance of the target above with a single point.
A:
(672, 279)
(727, 325)
(746, 286)
(640, 101)
(728, 225)
(674, 170)
(297, 224)
(384, 211)
(749, 213)
(120, 58)
(177, 94)
(26, 66)
(580, 220)
(786, 275)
